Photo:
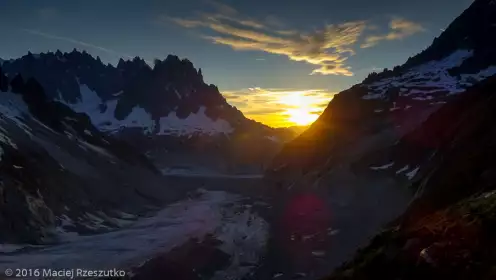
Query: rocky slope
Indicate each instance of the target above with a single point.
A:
(61, 176)
(446, 231)
(160, 109)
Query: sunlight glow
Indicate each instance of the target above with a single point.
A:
(280, 107)
(302, 106)
(301, 116)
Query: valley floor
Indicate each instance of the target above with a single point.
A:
(203, 213)
(234, 228)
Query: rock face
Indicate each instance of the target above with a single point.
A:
(159, 109)
(61, 176)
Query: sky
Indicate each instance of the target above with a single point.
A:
(279, 61)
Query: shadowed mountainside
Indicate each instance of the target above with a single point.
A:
(62, 176)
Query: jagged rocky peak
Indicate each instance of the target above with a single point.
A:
(137, 62)
(172, 76)
(181, 70)
(167, 98)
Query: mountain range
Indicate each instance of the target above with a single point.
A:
(167, 108)
(401, 165)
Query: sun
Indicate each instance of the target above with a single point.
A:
(281, 107)
(301, 116)
(301, 105)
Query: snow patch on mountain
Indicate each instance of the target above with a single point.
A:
(194, 123)
(437, 103)
(394, 108)
(403, 169)
(102, 116)
(410, 175)
(85, 145)
(382, 167)
(102, 113)
(428, 78)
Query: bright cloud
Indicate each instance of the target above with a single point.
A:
(326, 48)
(280, 107)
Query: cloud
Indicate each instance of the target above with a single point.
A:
(399, 29)
(245, 22)
(327, 48)
(184, 22)
(276, 107)
(209, 18)
(76, 42)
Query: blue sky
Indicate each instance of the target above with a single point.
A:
(272, 45)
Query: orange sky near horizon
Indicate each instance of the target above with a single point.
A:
(280, 107)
